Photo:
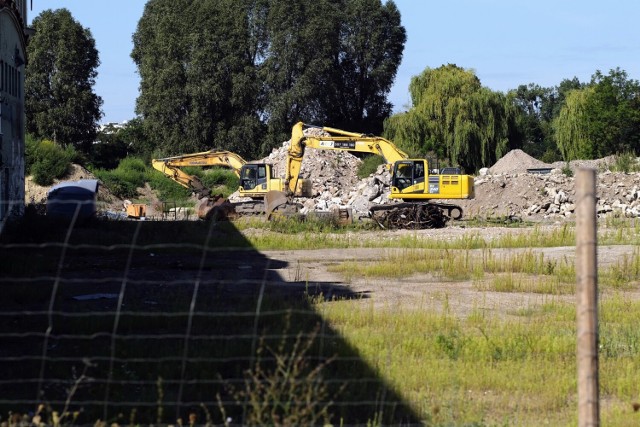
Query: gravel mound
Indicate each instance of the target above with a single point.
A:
(517, 161)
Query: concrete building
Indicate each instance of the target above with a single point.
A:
(13, 38)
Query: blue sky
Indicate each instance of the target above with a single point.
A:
(506, 42)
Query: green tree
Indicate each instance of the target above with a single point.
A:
(530, 99)
(330, 62)
(109, 148)
(539, 107)
(614, 113)
(370, 50)
(133, 134)
(60, 103)
(455, 118)
(198, 85)
(297, 70)
(571, 126)
(601, 119)
(551, 108)
(237, 74)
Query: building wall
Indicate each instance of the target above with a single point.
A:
(12, 70)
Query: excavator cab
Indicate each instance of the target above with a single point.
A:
(407, 173)
(253, 175)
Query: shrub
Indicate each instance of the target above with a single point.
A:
(218, 177)
(124, 180)
(567, 171)
(625, 162)
(46, 161)
(167, 189)
(369, 165)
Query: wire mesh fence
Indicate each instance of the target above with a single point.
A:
(109, 321)
(151, 322)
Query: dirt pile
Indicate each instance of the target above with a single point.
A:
(517, 161)
(506, 191)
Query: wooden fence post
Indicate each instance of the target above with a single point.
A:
(587, 299)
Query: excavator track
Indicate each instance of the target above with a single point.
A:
(415, 215)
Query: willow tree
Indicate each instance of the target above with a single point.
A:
(456, 118)
(572, 126)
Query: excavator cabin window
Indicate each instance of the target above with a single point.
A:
(252, 176)
(408, 173)
(249, 176)
(403, 175)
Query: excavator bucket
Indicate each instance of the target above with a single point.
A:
(277, 203)
(216, 208)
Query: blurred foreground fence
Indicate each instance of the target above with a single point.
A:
(153, 322)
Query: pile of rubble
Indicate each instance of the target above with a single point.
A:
(334, 180)
(520, 186)
(536, 196)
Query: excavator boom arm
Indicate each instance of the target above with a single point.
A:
(336, 139)
(206, 158)
(188, 181)
(170, 166)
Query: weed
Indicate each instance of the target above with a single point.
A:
(567, 171)
(283, 388)
(625, 162)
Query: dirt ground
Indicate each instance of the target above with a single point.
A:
(87, 285)
(419, 291)
(427, 291)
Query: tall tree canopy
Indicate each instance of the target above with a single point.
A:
(601, 119)
(371, 44)
(236, 74)
(198, 81)
(539, 107)
(297, 71)
(456, 118)
(63, 60)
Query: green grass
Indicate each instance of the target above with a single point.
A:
(476, 370)
(500, 372)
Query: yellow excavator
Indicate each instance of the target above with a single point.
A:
(415, 181)
(256, 180)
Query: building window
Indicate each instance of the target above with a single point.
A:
(1, 76)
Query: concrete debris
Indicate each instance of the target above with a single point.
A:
(334, 180)
(505, 189)
(550, 196)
